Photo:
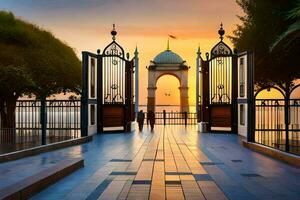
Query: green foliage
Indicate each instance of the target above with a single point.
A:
(49, 66)
(10, 79)
(292, 32)
(295, 12)
(263, 23)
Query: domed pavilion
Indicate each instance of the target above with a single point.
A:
(168, 63)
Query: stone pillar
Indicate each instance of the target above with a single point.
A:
(198, 94)
(184, 93)
(136, 63)
(184, 99)
(151, 98)
(151, 91)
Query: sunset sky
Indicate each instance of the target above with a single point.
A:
(86, 25)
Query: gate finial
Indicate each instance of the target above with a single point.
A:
(114, 32)
(199, 50)
(221, 31)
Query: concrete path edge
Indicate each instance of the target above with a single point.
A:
(288, 158)
(42, 149)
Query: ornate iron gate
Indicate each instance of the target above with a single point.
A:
(219, 88)
(107, 89)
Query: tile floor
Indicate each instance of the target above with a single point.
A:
(173, 162)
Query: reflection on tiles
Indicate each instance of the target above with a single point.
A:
(251, 175)
(174, 162)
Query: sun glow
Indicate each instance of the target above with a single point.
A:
(89, 30)
(167, 92)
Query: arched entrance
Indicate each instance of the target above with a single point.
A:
(168, 63)
(167, 94)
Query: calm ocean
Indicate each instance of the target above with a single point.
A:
(167, 108)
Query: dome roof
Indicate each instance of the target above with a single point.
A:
(168, 57)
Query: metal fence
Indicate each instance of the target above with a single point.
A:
(61, 122)
(294, 126)
(175, 118)
(278, 124)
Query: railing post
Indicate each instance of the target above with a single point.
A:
(43, 119)
(185, 118)
(164, 116)
(287, 122)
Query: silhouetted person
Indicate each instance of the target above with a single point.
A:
(140, 119)
(151, 116)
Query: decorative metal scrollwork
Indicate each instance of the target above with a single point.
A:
(221, 96)
(221, 49)
(114, 86)
(114, 50)
(114, 68)
(115, 62)
(220, 86)
(107, 98)
(220, 61)
(117, 98)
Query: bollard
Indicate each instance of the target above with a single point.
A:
(203, 127)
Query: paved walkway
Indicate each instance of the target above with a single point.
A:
(172, 163)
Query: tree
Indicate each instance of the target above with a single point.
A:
(11, 89)
(262, 25)
(32, 60)
(292, 32)
(287, 44)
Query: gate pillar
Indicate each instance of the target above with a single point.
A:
(245, 99)
(89, 99)
(234, 94)
(136, 77)
(204, 115)
(198, 91)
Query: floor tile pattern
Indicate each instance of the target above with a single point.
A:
(173, 162)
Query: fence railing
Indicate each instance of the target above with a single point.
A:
(277, 124)
(61, 121)
(294, 126)
(174, 118)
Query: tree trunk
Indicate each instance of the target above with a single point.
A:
(8, 119)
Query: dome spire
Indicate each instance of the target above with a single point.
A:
(168, 44)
